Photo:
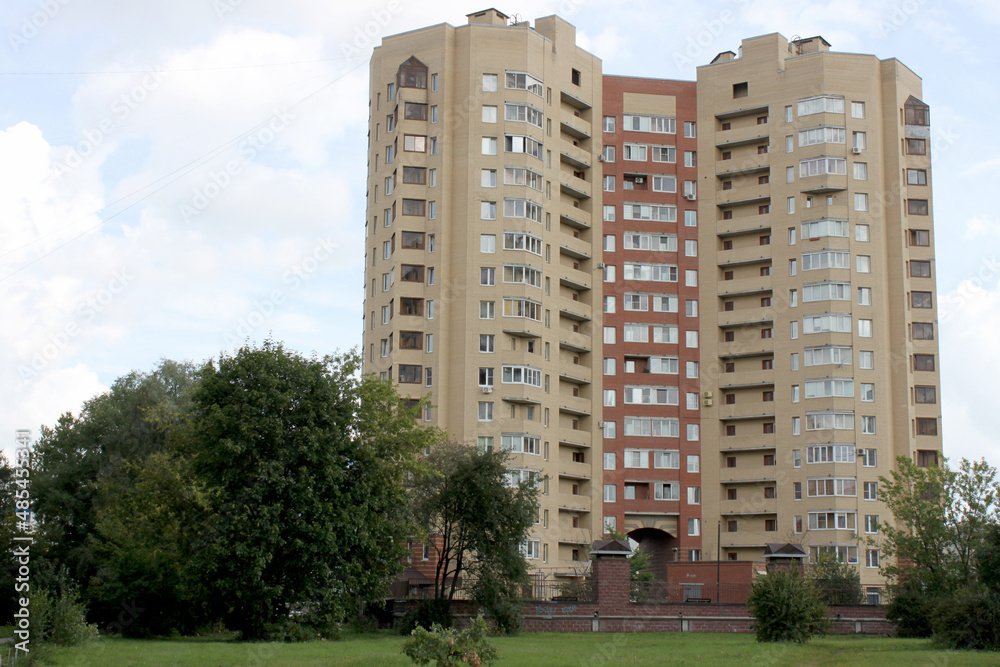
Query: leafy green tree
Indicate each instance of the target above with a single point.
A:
(786, 607)
(942, 519)
(837, 582)
(79, 455)
(478, 519)
(304, 464)
(144, 538)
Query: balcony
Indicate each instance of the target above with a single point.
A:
(575, 127)
(580, 345)
(574, 101)
(574, 187)
(744, 196)
(747, 411)
(576, 249)
(746, 379)
(745, 224)
(572, 405)
(573, 283)
(743, 136)
(739, 113)
(575, 156)
(583, 442)
(577, 222)
(754, 254)
(823, 184)
(746, 317)
(745, 285)
(574, 315)
(576, 375)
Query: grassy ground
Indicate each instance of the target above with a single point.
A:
(541, 649)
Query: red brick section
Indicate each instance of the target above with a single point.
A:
(613, 612)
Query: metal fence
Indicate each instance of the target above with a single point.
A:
(658, 592)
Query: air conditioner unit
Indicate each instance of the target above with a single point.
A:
(600, 158)
(689, 197)
(856, 150)
(640, 179)
(487, 390)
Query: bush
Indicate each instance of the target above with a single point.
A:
(969, 619)
(910, 609)
(837, 583)
(430, 612)
(786, 607)
(446, 647)
(59, 620)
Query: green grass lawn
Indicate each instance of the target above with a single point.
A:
(540, 649)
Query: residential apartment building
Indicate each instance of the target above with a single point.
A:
(650, 347)
(818, 316)
(701, 313)
(482, 241)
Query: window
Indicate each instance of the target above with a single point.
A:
(868, 425)
(519, 307)
(485, 411)
(917, 207)
(923, 362)
(689, 159)
(694, 495)
(416, 175)
(657, 124)
(916, 147)
(487, 276)
(415, 143)
(870, 490)
(821, 104)
(871, 557)
(487, 342)
(869, 458)
(867, 392)
(414, 206)
(609, 183)
(414, 111)
(831, 486)
(489, 145)
(920, 237)
(829, 419)
(487, 310)
(866, 360)
(916, 177)
(609, 123)
(859, 140)
(864, 263)
(860, 171)
(523, 81)
(822, 135)
(916, 112)
(741, 89)
(924, 394)
(514, 143)
(860, 201)
(926, 426)
(857, 109)
(608, 154)
(694, 528)
(689, 129)
(920, 300)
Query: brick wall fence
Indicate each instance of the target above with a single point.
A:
(612, 611)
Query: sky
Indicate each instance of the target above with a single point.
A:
(177, 178)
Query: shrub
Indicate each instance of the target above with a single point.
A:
(786, 607)
(430, 612)
(59, 620)
(910, 609)
(447, 647)
(969, 619)
(837, 582)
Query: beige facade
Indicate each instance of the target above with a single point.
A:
(818, 321)
(482, 244)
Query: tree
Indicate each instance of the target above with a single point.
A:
(942, 520)
(144, 539)
(837, 582)
(786, 607)
(79, 455)
(478, 515)
(304, 463)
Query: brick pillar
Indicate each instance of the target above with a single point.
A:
(611, 579)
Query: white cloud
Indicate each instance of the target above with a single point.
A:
(981, 226)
